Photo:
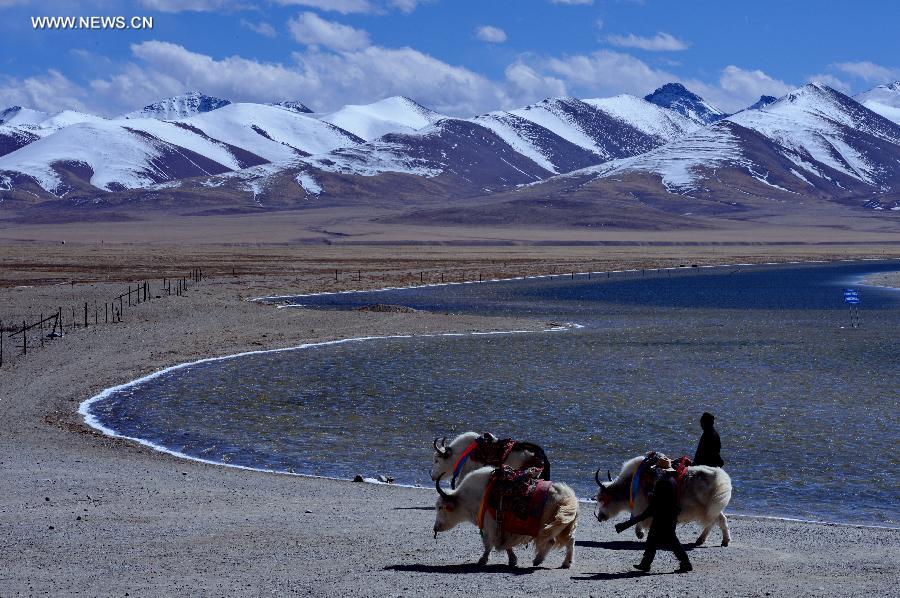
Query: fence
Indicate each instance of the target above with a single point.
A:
(83, 316)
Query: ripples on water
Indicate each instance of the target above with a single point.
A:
(807, 409)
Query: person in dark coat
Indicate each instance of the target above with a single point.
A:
(710, 445)
(664, 510)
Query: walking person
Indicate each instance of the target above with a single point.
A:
(710, 445)
(664, 510)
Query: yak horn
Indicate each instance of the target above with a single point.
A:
(440, 449)
(597, 478)
(608, 475)
(437, 485)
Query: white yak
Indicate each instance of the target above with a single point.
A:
(471, 450)
(704, 493)
(556, 528)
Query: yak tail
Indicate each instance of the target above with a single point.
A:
(560, 530)
(720, 496)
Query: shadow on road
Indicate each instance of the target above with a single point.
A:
(619, 575)
(431, 508)
(462, 568)
(621, 545)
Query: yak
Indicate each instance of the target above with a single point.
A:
(471, 450)
(704, 492)
(556, 526)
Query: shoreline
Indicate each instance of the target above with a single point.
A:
(884, 280)
(90, 514)
(92, 421)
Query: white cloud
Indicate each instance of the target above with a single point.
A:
(341, 68)
(600, 23)
(868, 71)
(342, 6)
(407, 6)
(8, 3)
(831, 81)
(661, 42)
(261, 28)
(312, 30)
(189, 5)
(742, 83)
(605, 72)
(49, 92)
(374, 73)
(168, 69)
(488, 33)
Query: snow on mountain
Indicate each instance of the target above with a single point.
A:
(677, 97)
(813, 139)
(17, 115)
(884, 99)
(12, 138)
(473, 155)
(680, 164)
(274, 133)
(183, 135)
(182, 106)
(611, 128)
(818, 124)
(110, 156)
(293, 105)
(391, 115)
(645, 116)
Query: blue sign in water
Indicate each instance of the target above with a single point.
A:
(851, 299)
(851, 296)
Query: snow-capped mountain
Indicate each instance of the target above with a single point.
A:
(564, 134)
(814, 140)
(884, 99)
(130, 153)
(182, 106)
(396, 114)
(677, 97)
(16, 115)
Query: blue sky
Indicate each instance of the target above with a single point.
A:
(460, 57)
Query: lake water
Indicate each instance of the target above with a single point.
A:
(807, 407)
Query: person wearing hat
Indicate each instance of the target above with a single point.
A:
(710, 445)
(664, 509)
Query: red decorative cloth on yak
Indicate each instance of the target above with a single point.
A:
(516, 499)
(681, 467)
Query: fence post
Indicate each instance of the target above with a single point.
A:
(1, 343)
(41, 328)
(85, 314)
(24, 340)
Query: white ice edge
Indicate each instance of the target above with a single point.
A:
(269, 298)
(84, 409)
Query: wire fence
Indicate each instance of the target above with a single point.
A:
(16, 339)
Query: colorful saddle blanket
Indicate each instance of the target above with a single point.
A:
(485, 449)
(515, 498)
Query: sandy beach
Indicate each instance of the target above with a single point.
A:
(84, 514)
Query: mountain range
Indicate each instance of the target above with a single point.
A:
(588, 161)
